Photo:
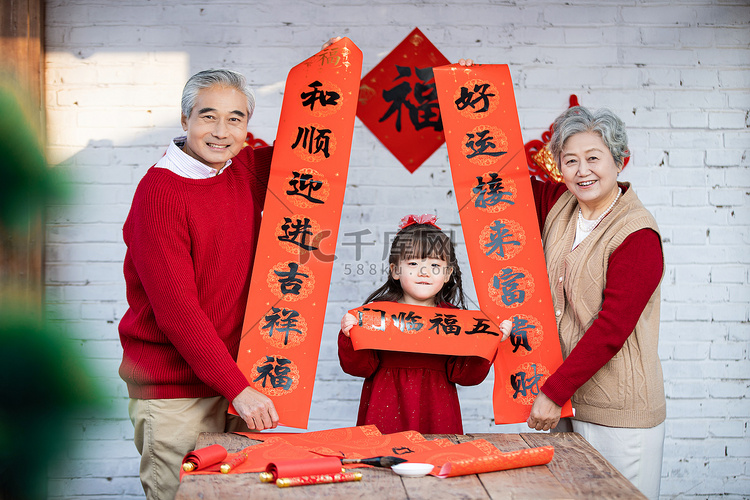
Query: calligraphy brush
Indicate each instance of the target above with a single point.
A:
(375, 461)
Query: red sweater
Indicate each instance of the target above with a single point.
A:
(627, 291)
(191, 244)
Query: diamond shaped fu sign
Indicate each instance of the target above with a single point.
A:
(398, 101)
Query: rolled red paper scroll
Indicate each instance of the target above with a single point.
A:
(511, 460)
(297, 468)
(235, 460)
(204, 457)
(341, 477)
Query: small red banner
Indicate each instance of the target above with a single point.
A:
(391, 326)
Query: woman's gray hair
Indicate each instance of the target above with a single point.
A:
(211, 77)
(602, 121)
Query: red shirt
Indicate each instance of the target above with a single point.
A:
(626, 293)
(191, 244)
(411, 391)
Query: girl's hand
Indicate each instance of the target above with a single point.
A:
(347, 322)
(330, 42)
(465, 62)
(505, 327)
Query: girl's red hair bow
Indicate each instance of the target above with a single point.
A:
(418, 219)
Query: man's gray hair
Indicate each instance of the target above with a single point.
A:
(211, 77)
(602, 121)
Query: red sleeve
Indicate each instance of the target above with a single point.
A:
(262, 172)
(467, 370)
(159, 245)
(360, 363)
(258, 161)
(546, 194)
(629, 288)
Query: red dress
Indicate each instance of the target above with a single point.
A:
(411, 391)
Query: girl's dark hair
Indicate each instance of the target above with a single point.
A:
(422, 241)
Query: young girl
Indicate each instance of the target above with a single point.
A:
(414, 391)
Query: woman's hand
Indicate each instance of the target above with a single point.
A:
(465, 62)
(545, 414)
(330, 42)
(506, 327)
(347, 322)
(256, 409)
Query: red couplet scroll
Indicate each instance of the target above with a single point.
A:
(392, 326)
(496, 205)
(292, 269)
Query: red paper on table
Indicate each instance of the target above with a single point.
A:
(259, 455)
(316, 438)
(398, 444)
(356, 442)
(528, 457)
(292, 269)
(501, 231)
(392, 326)
(454, 452)
(398, 103)
(295, 468)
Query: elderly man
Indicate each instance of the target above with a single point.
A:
(191, 235)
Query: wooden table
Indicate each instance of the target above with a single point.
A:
(576, 471)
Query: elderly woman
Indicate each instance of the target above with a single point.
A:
(605, 263)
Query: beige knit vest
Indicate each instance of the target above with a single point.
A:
(629, 390)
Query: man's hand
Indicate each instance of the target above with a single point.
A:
(330, 42)
(465, 62)
(545, 414)
(256, 409)
(347, 322)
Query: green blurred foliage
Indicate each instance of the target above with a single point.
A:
(27, 182)
(43, 382)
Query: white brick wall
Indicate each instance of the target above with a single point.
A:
(676, 72)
